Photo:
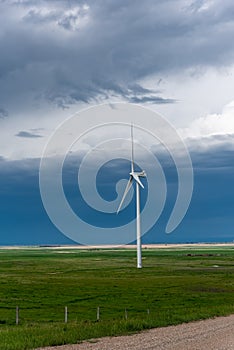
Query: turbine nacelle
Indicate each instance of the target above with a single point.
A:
(136, 176)
(138, 173)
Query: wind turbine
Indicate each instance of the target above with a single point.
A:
(135, 176)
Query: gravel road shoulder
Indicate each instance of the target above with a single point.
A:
(215, 334)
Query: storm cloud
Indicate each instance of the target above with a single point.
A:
(3, 113)
(65, 52)
(27, 134)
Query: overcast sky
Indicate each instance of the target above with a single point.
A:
(59, 57)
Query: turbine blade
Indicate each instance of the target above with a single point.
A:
(137, 179)
(132, 155)
(125, 193)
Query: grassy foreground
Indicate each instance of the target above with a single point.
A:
(175, 286)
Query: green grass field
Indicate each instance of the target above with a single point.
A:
(175, 285)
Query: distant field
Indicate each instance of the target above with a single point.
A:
(175, 285)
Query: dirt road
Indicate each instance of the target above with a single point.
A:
(215, 334)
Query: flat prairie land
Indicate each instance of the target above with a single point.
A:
(175, 285)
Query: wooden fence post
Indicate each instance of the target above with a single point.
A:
(17, 315)
(65, 314)
(126, 314)
(98, 313)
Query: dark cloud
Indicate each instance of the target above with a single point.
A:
(152, 99)
(209, 218)
(220, 146)
(3, 113)
(64, 52)
(27, 134)
(216, 155)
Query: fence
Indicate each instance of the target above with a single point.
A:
(20, 315)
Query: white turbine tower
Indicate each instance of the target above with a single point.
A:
(135, 176)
